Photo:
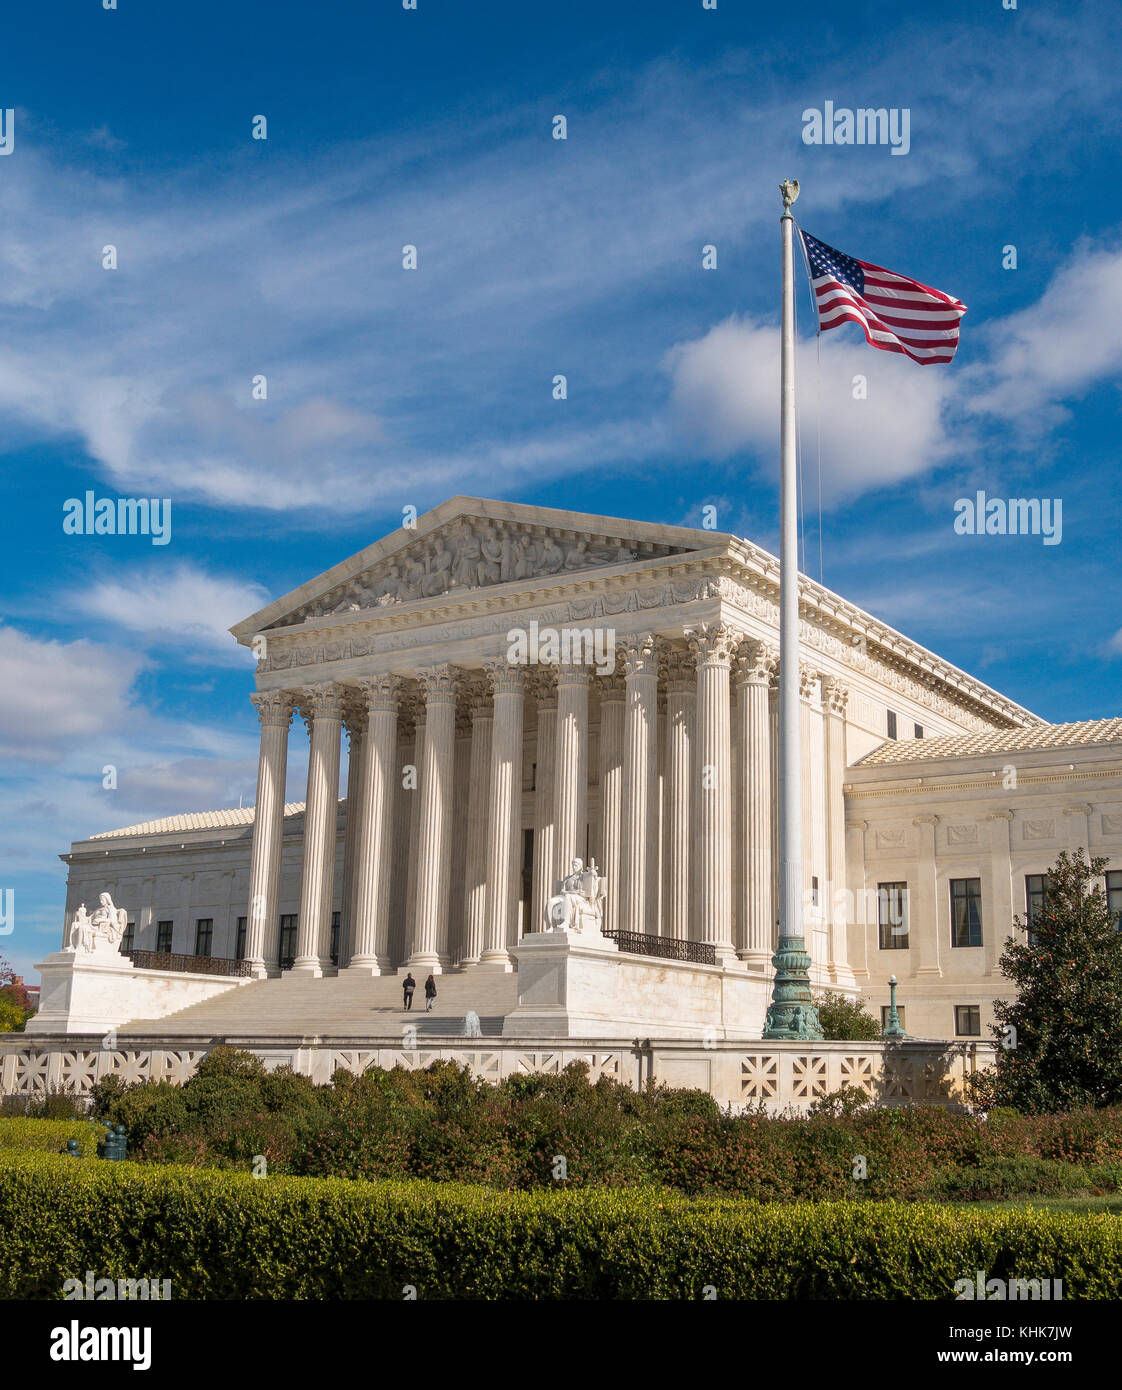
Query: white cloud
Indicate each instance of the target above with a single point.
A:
(54, 693)
(725, 393)
(178, 605)
(1057, 348)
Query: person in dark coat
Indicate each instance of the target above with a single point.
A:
(408, 985)
(430, 993)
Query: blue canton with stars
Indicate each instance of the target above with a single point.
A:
(824, 260)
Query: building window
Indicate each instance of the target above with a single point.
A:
(334, 938)
(966, 911)
(127, 939)
(919, 731)
(900, 1012)
(891, 723)
(814, 891)
(239, 949)
(204, 935)
(967, 1021)
(163, 936)
(1036, 885)
(1114, 894)
(286, 953)
(892, 916)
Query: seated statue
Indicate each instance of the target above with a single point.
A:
(108, 922)
(81, 931)
(578, 901)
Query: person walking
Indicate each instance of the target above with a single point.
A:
(408, 985)
(430, 993)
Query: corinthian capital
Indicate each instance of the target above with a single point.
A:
(274, 707)
(639, 654)
(321, 702)
(505, 679)
(756, 662)
(439, 684)
(835, 694)
(381, 693)
(712, 644)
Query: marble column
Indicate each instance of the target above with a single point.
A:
(755, 666)
(434, 847)
(681, 714)
(835, 698)
(544, 807)
(570, 768)
(274, 710)
(611, 794)
(503, 863)
(925, 921)
(411, 783)
(478, 830)
(713, 645)
(354, 722)
(322, 708)
(640, 784)
(996, 932)
(375, 833)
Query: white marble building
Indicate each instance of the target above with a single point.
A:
(472, 783)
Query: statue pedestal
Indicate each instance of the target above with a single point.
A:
(567, 984)
(83, 991)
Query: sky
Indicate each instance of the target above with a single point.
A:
(239, 258)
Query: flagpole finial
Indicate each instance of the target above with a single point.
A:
(789, 191)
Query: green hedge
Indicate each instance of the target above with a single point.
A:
(50, 1136)
(228, 1236)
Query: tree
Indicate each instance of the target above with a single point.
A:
(1058, 1039)
(845, 1020)
(15, 1002)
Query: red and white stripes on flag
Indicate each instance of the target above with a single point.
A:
(897, 314)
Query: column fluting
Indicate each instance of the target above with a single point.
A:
(274, 711)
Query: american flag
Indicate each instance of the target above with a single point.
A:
(896, 313)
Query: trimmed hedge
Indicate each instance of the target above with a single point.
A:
(50, 1136)
(225, 1235)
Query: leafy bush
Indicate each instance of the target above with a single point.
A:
(50, 1136)
(845, 1019)
(291, 1238)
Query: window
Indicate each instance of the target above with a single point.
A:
(900, 1012)
(286, 953)
(919, 730)
(891, 723)
(239, 950)
(204, 935)
(163, 936)
(892, 916)
(966, 911)
(814, 891)
(1036, 885)
(1114, 894)
(334, 938)
(127, 939)
(968, 1020)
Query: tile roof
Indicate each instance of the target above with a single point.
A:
(1084, 734)
(195, 820)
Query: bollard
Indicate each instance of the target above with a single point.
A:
(72, 1149)
(114, 1146)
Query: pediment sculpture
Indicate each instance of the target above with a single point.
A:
(103, 929)
(474, 554)
(577, 904)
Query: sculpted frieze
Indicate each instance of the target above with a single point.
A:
(475, 554)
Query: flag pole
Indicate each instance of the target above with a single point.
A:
(792, 1013)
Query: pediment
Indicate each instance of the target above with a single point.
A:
(471, 551)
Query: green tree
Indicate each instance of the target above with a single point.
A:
(845, 1020)
(15, 1002)
(1058, 1039)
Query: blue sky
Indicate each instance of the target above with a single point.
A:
(387, 388)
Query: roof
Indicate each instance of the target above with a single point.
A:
(195, 820)
(1086, 733)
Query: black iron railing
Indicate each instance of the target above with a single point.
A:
(196, 965)
(667, 947)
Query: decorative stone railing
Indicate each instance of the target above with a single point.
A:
(665, 947)
(194, 965)
(784, 1076)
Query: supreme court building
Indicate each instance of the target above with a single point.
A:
(507, 689)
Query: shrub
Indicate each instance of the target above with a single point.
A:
(294, 1238)
(845, 1019)
(50, 1136)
